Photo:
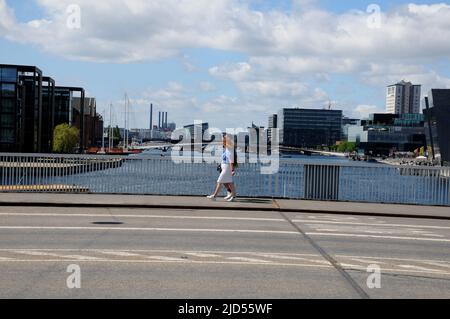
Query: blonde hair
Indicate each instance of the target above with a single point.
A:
(229, 141)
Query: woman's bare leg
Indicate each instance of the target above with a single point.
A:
(233, 190)
(218, 189)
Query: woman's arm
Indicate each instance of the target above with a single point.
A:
(233, 172)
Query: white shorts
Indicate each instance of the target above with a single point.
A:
(226, 176)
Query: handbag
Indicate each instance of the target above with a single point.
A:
(219, 168)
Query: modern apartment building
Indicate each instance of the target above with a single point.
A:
(403, 98)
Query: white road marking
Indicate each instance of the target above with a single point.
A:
(374, 231)
(164, 261)
(120, 254)
(145, 216)
(31, 253)
(293, 258)
(37, 253)
(153, 229)
(418, 268)
(367, 261)
(439, 264)
(391, 258)
(230, 258)
(365, 224)
(6, 259)
(202, 255)
(160, 251)
(327, 217)
(378, 237)
(164, 258)
(79, 257)
(251, 260)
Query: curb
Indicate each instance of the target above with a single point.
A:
(275, 208)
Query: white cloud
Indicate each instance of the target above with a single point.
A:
(235, 72)
(206, 86)
(287, 51)
(363, 111)
(136, 30)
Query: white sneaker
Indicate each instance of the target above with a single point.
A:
(231, 199)
(211, 197)
(228, 196)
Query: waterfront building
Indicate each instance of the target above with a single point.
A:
(48, 112)
(383, 134)
(437, 124)
(93, 122)
(31, 106)
(403, 98)
(201, 126)
(346, 123)
(273, 124)
(20, 108)
(309, 128)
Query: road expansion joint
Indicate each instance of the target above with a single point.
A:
(329, 258)
(388, 274)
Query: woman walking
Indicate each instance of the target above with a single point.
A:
(227, 171)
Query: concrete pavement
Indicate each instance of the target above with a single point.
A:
(144, 252)
(246, 204)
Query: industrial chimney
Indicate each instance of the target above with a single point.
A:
(151, 117)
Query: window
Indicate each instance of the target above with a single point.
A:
(8, 89)
(8, 74)
(7, 120)
(7, 135)
(7, 105)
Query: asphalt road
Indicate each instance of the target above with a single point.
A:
(156, 253)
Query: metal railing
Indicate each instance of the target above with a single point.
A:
(296, 179)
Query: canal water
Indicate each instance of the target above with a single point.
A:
(155, 174)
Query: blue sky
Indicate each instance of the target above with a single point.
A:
(228, 78)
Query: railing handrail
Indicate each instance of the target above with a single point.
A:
(285, 161)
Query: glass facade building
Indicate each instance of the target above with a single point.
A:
(383, 134)
(309, 128)
(437, 124)
(8, 107)
(20, 108)
(31, 106)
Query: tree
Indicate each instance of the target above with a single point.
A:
(346, 147)
(116, 137)
(65, 138)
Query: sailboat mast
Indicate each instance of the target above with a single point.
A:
(111, 131)
(125, 128)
